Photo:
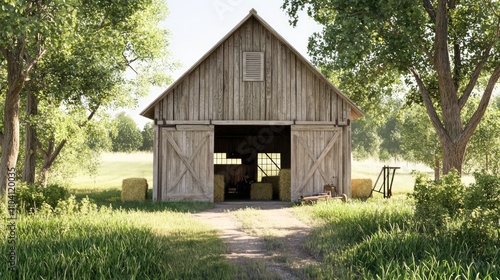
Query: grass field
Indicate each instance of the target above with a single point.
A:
(114, 168)
(118, 166)
(104, 238)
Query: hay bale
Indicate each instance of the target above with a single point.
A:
(218, 188)
(134, 189)
(361, 188)
(274, 180)
(284, 183)
(261, 191)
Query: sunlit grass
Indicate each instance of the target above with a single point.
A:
(372, 239)
(403, 179)
(114, 167)
(377, 239)
(105, 243)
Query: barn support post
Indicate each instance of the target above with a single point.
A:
(156, 164)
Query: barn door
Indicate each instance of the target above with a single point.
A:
(185, 163)
(316, 158)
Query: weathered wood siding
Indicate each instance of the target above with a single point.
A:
(183, 163)
(317, 159)
(215, 90)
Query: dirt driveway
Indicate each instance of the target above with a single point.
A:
(275, 238)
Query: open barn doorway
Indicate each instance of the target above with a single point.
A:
(247, 154)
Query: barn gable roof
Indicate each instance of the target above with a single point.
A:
(355, 111)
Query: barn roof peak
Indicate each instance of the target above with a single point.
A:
(356, 112)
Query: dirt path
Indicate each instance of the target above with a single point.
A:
(274, 220)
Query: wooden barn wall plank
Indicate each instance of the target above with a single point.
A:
(202, 92)
(262, 85)
(268, 80)
(230, 79)
(237, 75)
(291, 89)
(219, 83)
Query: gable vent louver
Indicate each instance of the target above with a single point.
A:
(253, 66)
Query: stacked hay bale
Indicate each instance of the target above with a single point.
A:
(261, 191)
(284, 183)
(218, 188)
(134, 189)
(361, 188)
(274, 180)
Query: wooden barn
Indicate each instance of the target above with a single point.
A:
(249, 109)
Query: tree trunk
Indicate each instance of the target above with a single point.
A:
(10, 143)
(29, 168)
(437, 164)
(453, 155)
(44, 177)
(49, 157)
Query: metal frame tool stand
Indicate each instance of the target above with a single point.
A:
(386, 186)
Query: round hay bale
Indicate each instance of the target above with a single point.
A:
(361, 188)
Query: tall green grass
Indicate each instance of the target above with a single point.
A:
(378, 239)
(82, 241)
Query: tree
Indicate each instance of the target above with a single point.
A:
(365, 140)
(126, 136)
(419, 141)
(483, 152)
(147, 137)
(89, 75)
(29, 28)
(391, 138)
(442, 46)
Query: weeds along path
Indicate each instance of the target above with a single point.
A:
(262, 235)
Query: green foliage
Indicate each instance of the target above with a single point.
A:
(467, 213)
(419, 142)
(127, 137)
(374, 45)
(97, 44)
(437, 202)
(31, 198)
(379, 239)
(482, 211)
(147, 137)
(391, 137)
(391, 36)
(483, 151)
(365, 140)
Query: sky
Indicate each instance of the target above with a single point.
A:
(197, 25)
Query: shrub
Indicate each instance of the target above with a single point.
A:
(482, 211)
(467, 213)
(32, 197)
(436, 202)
